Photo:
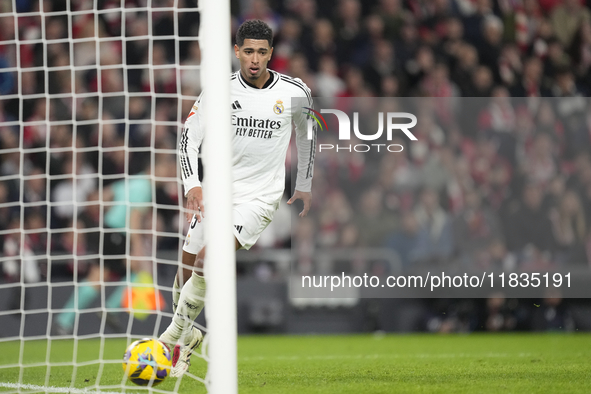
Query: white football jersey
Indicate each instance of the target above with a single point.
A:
(261, 130)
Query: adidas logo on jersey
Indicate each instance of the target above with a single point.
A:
(238, 228)
(236, 105)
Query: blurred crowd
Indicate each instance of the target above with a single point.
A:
(495, 183)
(501, 181)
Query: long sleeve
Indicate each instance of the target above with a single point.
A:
(306, 147)
(189, 144)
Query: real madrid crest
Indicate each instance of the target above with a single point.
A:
(278, 107)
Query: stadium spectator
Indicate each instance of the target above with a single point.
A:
(373, 219)
(466, 62)
(333, 218)
(530, 84)
(382, 63)
(259, 9)
(497, 258)
(510, 64)
(475, 228)
(570, 229)
(348, 28)
(323, 44)
(528, 223)
(552, 315)
(436, 243)
(567, 18)
(74, 190)
(328, 83)
(287, 43)
(190, 76)
(555, 60)
(580, 53)
(540, 165)
(405, 241)
(394, 16)
(20, 263)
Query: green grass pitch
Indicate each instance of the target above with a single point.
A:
(475, 363)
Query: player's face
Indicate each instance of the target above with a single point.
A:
(254, 56)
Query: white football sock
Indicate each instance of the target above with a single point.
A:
(176, 293)
(190, 305)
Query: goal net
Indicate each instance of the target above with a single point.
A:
(92, 96)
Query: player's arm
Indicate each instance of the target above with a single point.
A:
(189, 144)
(306, 152)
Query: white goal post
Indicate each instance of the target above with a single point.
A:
(220, 259)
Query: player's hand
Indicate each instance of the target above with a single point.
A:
(195, 204)
(306, 197)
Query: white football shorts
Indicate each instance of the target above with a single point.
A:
(250, 219)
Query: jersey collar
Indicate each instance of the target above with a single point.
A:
(245, 83)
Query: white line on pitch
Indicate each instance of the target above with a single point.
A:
(51, 389)
(374, 356)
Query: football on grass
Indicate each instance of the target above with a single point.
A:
(147, 362)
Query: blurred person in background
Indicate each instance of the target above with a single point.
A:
(580, 53)
(555, 59)
(125, 214)
(491, 44)
(323, 44)
(304, 243)
(191, 77)
(20, 264)
(335, 212)
(571, 108)
(394, 16)
(375, 221)
(83, 182)
(553, 314)
(503, 314)
(530, 84)
(510, 64)
(541, 164)
(527, 221)
(570, 229)
(436, 243)
(328, 83)
(466, 62)
(348, 28)
(288, 42)
(567, 18)
(497, 258)
(405, 241)
(381, 64)
(475, 227)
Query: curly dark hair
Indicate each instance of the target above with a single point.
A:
(254, 29)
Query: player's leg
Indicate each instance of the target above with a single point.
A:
(191, 302)
(192, 259)
(251, 220)
(193, 250)
(188, 261)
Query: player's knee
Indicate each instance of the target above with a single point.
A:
(199, 263)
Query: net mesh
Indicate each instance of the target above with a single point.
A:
(92, 94)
